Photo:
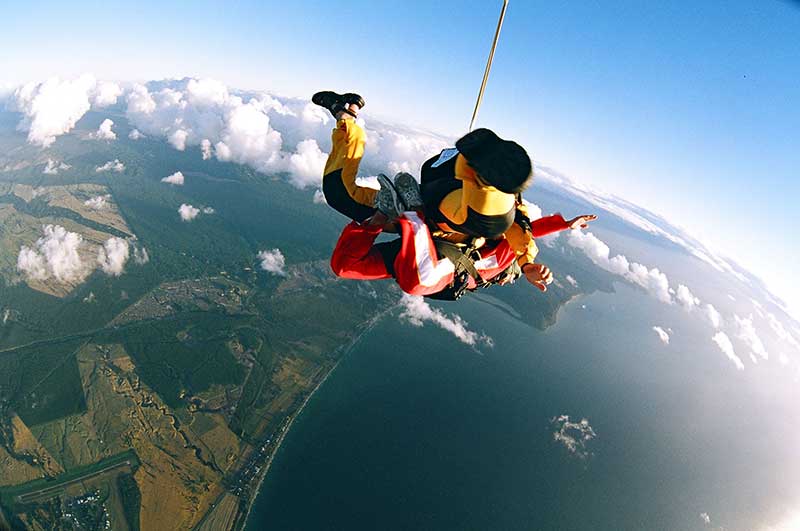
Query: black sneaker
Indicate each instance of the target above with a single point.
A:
(337, 102)
(408, 189)
(387, 200)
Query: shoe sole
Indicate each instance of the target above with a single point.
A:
(408, 191)
(397, 203)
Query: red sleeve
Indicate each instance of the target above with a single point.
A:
(548, 225)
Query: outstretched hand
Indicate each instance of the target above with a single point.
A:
(538, 274)
(581, 222)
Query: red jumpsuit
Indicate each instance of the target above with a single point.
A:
(416, 266)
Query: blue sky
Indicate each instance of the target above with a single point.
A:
(691, 109)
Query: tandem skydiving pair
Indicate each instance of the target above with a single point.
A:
(463, 227)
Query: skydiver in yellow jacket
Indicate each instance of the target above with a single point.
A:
(475, 191)
(470, 192)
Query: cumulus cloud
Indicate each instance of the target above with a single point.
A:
(269, 134)
(104, 132)
(273, 261)
(724, 343)
(571, 281)
(575, 436)
(705, 518)
(319, 198)
(113, 255)
(112, 165)
(206, 149)
(686, 298)
(53, 107)
(306, 164)
(781, 331)
(176, 179)
(713, 316)
(106, 94)
(208, 210)
(135, 134)
(746, 331)
(662, 334)
(417, 311)
(98, 202)
(188, 212)
(52, 167)
(140, 254)
(652, 280)
(54, 255)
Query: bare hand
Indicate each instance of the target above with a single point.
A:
(581, 222)
(538, 274)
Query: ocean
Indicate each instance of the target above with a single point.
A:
(415, 430)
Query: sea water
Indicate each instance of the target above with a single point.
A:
(415, 430)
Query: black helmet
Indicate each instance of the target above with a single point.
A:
(501, 163)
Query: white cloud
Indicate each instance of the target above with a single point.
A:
(747, 333)
(54, 255)
(176, 179)
(652, 280)
(781, 331)
(416, 311)
(178, 139)
(575, 436)
(713, 316)
(534, 210)
(307, 164)
(106, 94)
(208, 210)
(273, 261)
(188, 212)
(662, 334)
(269, 134)
(53, 107)
(705, 518)
(319, 197)
(52, 167)
(686, 298)
(571, 280)
(112, 165)
(140, 254)
(32, 264)
(724, 343)
(98, 202)
(135, 134)
(104, 132)
(206, 149)
(113, 256)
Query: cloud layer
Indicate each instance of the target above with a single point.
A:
(53, 107)
(267, 133)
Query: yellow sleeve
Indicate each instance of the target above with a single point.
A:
(348, 141)
(523, 244)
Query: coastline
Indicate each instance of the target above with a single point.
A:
(241, 524)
